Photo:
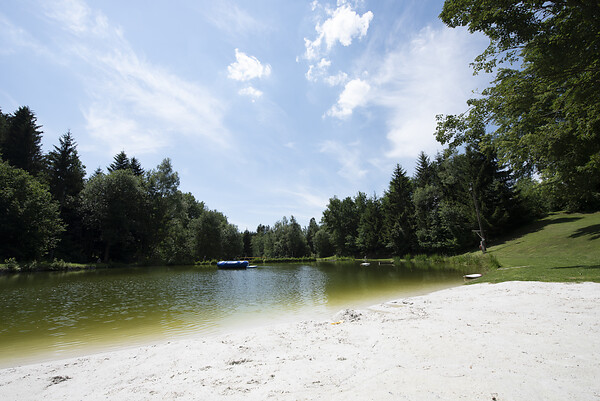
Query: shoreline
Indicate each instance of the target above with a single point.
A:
(40, 350)
(514, 340)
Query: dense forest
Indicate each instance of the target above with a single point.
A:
(529, 144)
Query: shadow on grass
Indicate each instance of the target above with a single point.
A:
(578, 267)
(535, 227)
(593, 231)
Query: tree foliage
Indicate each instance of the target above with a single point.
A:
(369, 239)
(20, 141)
(65, 174)
(399, 230)
(114, 205)
(126, 215)
(434, 212)
(311, 231)
(29, 223)
(323, 244)
(341, 218)
(285, 239)
(65, 170)
(543, 116)
(120, 162)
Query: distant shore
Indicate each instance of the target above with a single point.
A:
(514, 340)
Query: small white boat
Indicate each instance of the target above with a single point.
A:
(365, 264)
(472, 276)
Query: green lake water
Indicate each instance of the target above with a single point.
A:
(51, 315)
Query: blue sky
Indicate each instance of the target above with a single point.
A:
(267, 108)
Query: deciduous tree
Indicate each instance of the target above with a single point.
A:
(370, 240)
(542, 115)
(29, 222)
(115, 206)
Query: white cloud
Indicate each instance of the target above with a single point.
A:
(338, 79)
(247, 67)
(78, 18)
(156, 100)
(305, 197)
(135, 105)
(251, 92)
(119, 131)
(348, 155)
(13, 37)
(342, 26)
(355, 94)
(74, 14)
(230, 18)
(428, 76)
(317, 70)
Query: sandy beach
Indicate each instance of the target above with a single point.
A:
(509, 341)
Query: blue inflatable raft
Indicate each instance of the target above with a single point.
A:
(233, 264)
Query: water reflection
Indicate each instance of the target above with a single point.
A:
(60, 313)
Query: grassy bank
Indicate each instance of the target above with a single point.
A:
(13, 266)
(561, 247)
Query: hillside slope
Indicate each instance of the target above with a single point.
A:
(560, 247)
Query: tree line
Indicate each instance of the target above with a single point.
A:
(435, 211)
(129, 214)
(126, 214)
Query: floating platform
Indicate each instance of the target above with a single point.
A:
(233, 264)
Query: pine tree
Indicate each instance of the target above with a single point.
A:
(65, 170)
(136, 167)
(296, 241)
(311, 230)
(3, 130)
(65, 175)
(423, 171)
(21, 143)
(121, 162)
(247, 240)
(399, 212)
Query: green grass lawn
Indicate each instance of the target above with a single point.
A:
(560, 247)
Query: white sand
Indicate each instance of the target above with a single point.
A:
(510, 341)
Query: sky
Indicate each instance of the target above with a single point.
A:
(266, 108)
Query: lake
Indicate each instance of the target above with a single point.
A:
(51, 315)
